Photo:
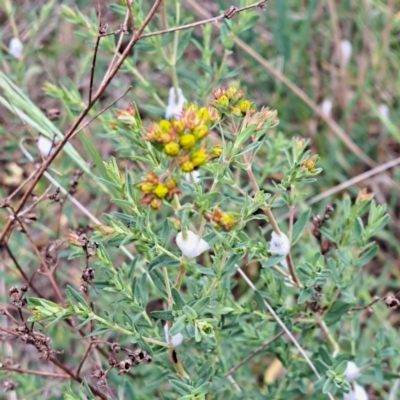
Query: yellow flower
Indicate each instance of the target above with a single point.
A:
(187, 141)
(244, 106)
(217, 151)
(223, 101)
(165, 125)
(310, 164)
(178, 126)
(199, 158)
(161, 191)
(200, 131)
(203, 113)
(171, 183)
(172, 148)
(147, 187)
(187, 166)
(230, 92)
(156, 204)
(226, 219)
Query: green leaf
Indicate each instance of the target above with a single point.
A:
(367, 257)
(200, 305)
(75, 297)
(271, 261)
(181, 387)
(129, 391)
(184, 41)
(165, 315)
(189, 312)
(178, 299)
(300, 225)
(158, 279)
(163, 260)
(178, 326)
(336, 312)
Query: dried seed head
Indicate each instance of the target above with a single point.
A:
(97, 374)
(148, 359)
(9, 385)
(112, 361)
(24, 288)
(103, 26)
(116, 348)
(392, 302)
(102, 383)
(329, 208)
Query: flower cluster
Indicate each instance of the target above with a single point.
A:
(182, 138)
(154, 190)
(231, 102)
(221, 219)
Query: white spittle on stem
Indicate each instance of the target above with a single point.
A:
(176, 340)
(176, 101)
(15, 47)
(346, 50)
(45, 145)
(357, 393)
(279, 244)
(191, 246)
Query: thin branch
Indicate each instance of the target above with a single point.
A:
(283, 326)
(228, 14)
(129, 6)
(102, 112)
(83, 358)
(254, 353)
(96, 47)
(15, 261)
(40, 373)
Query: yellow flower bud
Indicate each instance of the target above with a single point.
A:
(244, 106)
(105, 229)
(171, 148)
(231, 92)
(187, 141)
(165, 125)
(171, 183)
(156, 204)
(199, 158)
(161, 191)
(147, 187)
(178, 126)
(217, 151)
(223, 101)
(226, 219)
(310, 164)
(203, 113)
(200, 131)
(187, 166)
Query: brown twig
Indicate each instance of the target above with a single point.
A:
(83, 358)
(16, 263)
(254, 353)
(102, 111)
(228, 14)
(76, 378)
(129, 6)
(359, 308)
(40, 373)
(42, 261)
(96, 47)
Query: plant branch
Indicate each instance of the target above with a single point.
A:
(40, 373)
(254, 353)
(229, 13)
